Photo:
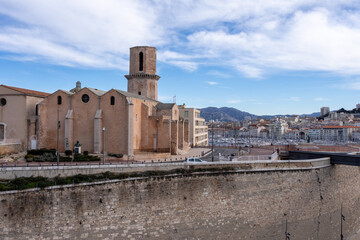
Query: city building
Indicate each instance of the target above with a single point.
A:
(338, 133)
(132, 122)
(324, 111)
(277, 129)
(314, 133)
(198, 128)
(18, 117)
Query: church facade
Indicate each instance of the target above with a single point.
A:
(132, 122)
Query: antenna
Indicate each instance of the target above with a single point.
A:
(174, 99)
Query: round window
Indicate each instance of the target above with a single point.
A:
(85, 98)
(2, 102)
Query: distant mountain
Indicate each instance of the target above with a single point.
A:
(224, 114)
(315, 114)
(227, 114)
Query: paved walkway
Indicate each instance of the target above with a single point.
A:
(193, 152)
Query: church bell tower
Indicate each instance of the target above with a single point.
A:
(142, 78)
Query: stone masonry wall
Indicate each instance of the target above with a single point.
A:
(217, 206)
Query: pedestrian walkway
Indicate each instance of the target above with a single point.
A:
(193, 152)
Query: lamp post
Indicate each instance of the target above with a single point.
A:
(57, 138)
(103, 145)
(212, 139)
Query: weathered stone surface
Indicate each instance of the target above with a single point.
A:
(220, 206)
(10, 148)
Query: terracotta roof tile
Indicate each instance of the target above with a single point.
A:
(28, 91)
(329, 127)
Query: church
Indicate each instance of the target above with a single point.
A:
(133, 123)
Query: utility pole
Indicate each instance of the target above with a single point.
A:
(212, 139)
(103, 145)
(157, 134)
(57, 138)
(249, 140)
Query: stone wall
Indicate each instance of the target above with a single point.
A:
(10, 148)
(206, 206)
(244, 166)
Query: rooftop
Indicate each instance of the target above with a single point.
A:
(28, 91)
(165, 106)
(334, 127)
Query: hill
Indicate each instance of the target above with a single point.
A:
(225, 114)
(228, 114)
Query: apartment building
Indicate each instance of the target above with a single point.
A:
(198, 128)
(338, 133)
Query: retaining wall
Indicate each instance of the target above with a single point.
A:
(209, 206)
(243, 166)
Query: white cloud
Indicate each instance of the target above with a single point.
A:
(91, 34)
(249, 36)
(212, 83)
(188, 66)
(218, 74)
(249, 71)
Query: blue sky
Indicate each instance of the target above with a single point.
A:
(263, 57)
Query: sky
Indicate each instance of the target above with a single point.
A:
(259, 56)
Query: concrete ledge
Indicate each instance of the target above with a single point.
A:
(7, 173)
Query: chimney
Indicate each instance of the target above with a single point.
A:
(78, 86)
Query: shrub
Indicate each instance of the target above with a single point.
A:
(85, 158)
(65, 159)
(119, 155)
(45, 157)
(29, 157)
(68, 152)
(41, 151)
(86, 153)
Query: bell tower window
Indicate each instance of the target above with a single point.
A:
(112, 100)
(141, 61)
(59, 100)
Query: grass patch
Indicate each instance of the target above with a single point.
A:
(42, 182)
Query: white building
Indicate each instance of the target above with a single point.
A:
(198, 128)
(338, 133)
(314, 133)
(277, 129)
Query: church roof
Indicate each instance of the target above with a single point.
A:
(133, 95)
(97, 91)
(28, 91)
(67, 92)
(165, 106)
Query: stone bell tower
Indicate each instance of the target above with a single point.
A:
(142, 78)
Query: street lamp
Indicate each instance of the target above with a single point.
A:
(103, 145)
(212, 139)
(57, 138)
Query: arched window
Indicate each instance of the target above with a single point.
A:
(112, 100)
(37, 110)
(59, 100)
(2, 132)
(141, 61)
